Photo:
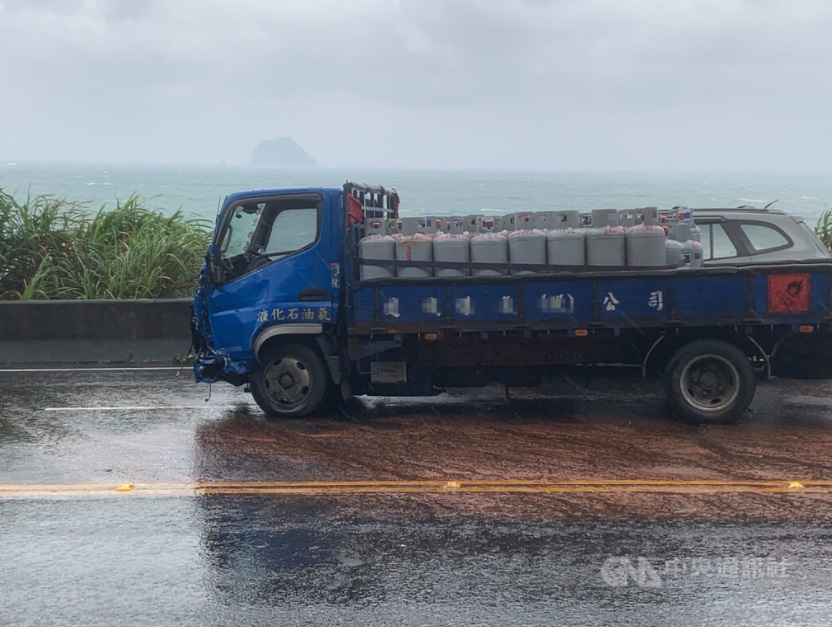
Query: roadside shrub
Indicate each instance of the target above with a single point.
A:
(824, 228)
(52, 248)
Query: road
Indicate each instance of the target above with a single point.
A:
(128, 498)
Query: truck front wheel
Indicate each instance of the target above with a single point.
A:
(291, 381)
(710, 382)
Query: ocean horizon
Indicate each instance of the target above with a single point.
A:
(198, 190)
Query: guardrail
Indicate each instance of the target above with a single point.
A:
(94, 331)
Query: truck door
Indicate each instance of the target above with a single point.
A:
(273, 260)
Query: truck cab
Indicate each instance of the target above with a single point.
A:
(267, 312)
(272, 272)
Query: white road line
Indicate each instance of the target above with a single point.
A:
(145, 407)
(93, 369)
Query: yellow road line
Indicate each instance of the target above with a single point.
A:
(434, 482)
(598, 486)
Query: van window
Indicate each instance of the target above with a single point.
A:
(763, 237)
(715, 242)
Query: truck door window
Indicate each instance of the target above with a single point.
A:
(240, 228)
(260, 232)
(715, 242)
(292, 230)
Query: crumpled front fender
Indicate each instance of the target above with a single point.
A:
(213, 367)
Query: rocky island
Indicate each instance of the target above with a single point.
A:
(284, 153)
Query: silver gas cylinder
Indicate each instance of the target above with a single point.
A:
(454, 246)
(674, 253)
(606, 241)
(566, 247)
(489, 246)
(565, 220)
(694, 254)
(377, 245)
(472, 223)
(545, 220)
(413, 245)
(645, 246)
(523, 221)
(527, 246)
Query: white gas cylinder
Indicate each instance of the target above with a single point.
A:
(605, 243)
(376, 245)
(455, 247)
(645, 246)
(413, 246)
(527, 246)
(489, 246)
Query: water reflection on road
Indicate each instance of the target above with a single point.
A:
(410, 557)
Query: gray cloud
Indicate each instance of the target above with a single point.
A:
(679, 84)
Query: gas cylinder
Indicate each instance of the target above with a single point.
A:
(646, 241)
(472, 223)
(431, 226)
(605, 241)
(523, 221)
(377, 245)
(454, 246)
(527, 244)
(566, 220)
(545, 220)
(681, 232)
(489, 246)
(566, 247)
(674, 253)
(694, 254)
(413, 245)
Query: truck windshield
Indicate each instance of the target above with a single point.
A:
(259, 232)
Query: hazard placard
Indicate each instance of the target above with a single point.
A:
(788, 293)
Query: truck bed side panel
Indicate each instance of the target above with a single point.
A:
(791, 294)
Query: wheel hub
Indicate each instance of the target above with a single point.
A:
(710, 382)
(287, 381)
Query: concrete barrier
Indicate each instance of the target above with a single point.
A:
(94, 331)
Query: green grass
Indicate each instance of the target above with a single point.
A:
(51, 248)
(824, 228)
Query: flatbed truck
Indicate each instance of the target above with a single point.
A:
(281, 308)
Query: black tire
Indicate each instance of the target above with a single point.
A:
(291, 382)
(710, 382)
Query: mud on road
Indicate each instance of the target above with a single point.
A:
(621, 433)
(152, 426)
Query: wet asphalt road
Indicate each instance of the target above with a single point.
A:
(405, 558)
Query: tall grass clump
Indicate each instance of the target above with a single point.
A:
(824, 228)
(55, 249)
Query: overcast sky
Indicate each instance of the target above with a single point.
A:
(550, 84)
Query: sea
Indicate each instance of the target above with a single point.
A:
(198, 190)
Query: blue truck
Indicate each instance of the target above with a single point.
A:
(281, 309)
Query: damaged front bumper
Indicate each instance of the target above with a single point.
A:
(212, 367)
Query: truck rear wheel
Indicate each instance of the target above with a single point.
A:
(710, 382)
(291, 381)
